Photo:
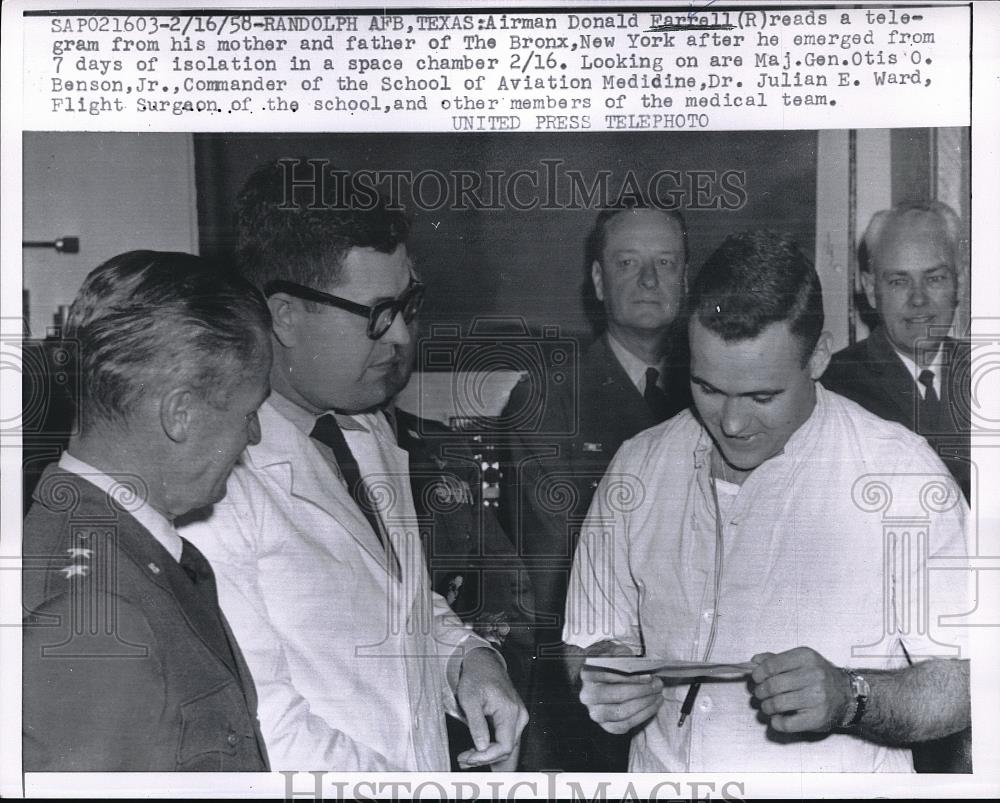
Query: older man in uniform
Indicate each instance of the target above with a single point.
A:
(129, 666)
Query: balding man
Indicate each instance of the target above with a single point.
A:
(909, 369)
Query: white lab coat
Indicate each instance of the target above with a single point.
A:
(349, 663)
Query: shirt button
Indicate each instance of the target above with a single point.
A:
(705, 704)
(707, 616)
(232, 739)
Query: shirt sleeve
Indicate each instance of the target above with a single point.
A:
(602, 602)
(932, 582)
(295, 737)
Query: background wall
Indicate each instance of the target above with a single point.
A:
(115, 191)
(527, 263)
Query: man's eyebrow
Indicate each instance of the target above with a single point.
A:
(759, 392)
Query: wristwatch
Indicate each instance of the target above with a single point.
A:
(860, 691)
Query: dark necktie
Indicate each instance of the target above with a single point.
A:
(197, 567)
(655, 398)
(327, 431)
(930, 405)
(199, 570)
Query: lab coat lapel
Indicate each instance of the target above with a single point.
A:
(294, 459)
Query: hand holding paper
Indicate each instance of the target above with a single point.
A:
(616, 701)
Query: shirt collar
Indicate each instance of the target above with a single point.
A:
(914, 369)
(634, 367)
(158, 525)
(796, 444)
(304, 421)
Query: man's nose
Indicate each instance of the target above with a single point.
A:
(918, 294)
(735, 416)
(647, 274)
(398, 334)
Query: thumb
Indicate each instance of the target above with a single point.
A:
(478, 728)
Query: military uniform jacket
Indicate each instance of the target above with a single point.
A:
(872, 374)
(472, 562)
(553, 466)
(128, 665)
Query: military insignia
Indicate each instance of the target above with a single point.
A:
(451, 490)
(79, 552)
(415, 435)
(75, 569)
(454, 588)
(154, 568)
(593, 447)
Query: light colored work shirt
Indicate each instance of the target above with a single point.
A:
(812, 547)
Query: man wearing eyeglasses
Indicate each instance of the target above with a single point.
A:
(316, 547)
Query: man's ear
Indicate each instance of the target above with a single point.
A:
(177, 413)
(820, 357)
(284, 318)
(597, 279)
(868, 283)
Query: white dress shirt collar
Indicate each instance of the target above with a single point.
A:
(634, 367)
(934, 365)
(304, 420)
(158, 525)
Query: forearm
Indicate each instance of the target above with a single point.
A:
(925, 701)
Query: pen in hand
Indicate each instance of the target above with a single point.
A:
(688, 705)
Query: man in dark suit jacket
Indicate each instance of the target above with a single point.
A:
(128, 663)
(908, 370)
(631, 378)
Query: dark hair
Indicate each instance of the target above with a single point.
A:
(146, 315)
(755, 279)
(299, 226)
(594, 252)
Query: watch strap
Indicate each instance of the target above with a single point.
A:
(860, 691)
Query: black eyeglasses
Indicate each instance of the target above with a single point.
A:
(380, 315)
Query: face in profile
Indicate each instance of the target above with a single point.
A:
(640, 276)
(332, 363)
(752, 395)
(224, 424)
(914, 284)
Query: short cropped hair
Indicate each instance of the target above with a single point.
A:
(755, 279)
(297, 219)
(144, 316)
(594, 252)
(911, 211)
